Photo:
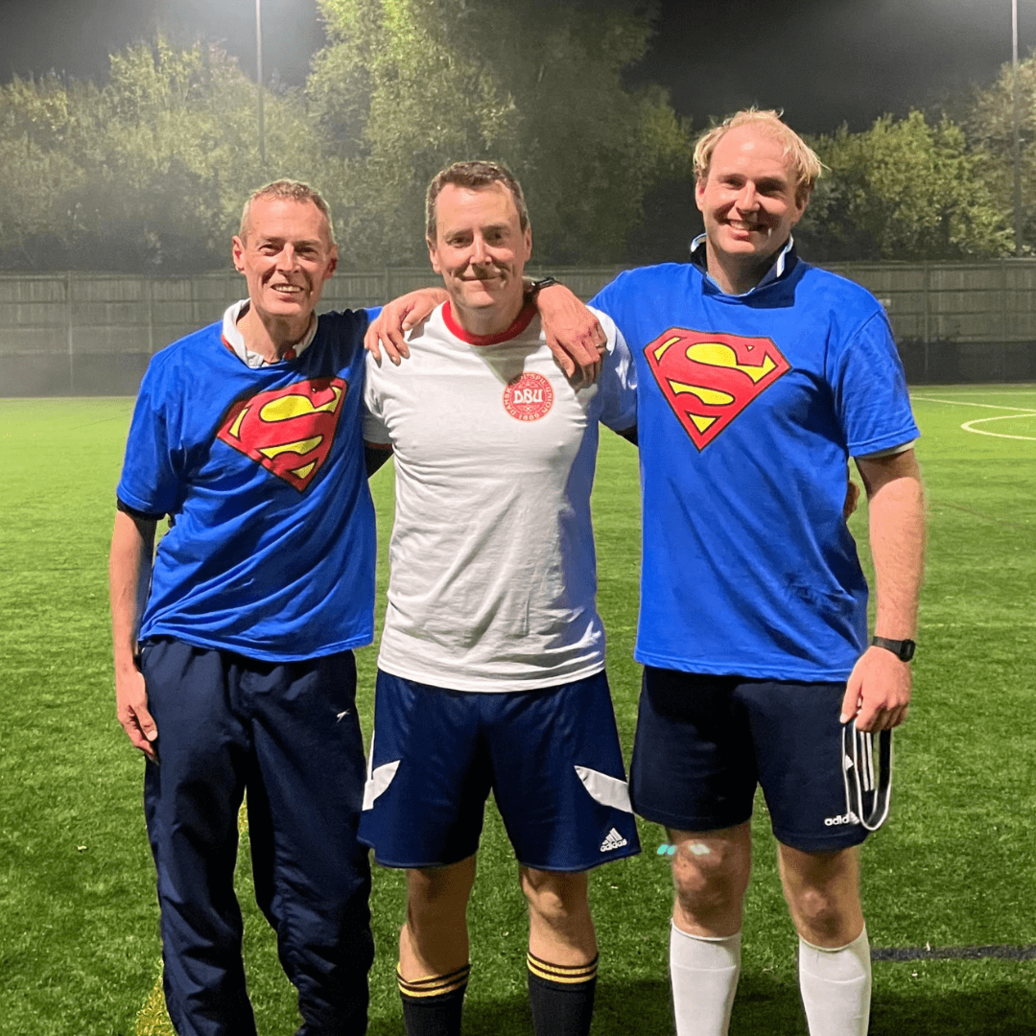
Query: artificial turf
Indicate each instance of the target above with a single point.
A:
(955, 867)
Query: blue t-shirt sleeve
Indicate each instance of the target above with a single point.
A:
(149, 480)
(871, 397)
(608, 300)
(617, 386)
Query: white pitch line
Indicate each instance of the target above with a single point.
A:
(967, 426)
(962, 402)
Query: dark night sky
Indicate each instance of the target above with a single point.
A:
(823, 61)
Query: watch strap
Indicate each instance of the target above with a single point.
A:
(902, 649)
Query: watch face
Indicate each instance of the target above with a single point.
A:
(906, 650)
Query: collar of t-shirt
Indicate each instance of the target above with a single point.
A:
(235, 342)
(782, 266)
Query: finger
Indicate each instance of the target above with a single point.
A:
(394, 341)
(370, 343)
(850, 704)
(137, 738)
(895, 716)
(569, 366)
(146, 723)
(871, 718)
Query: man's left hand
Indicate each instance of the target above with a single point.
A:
(573, 334)
(396, 318)
(878, 692)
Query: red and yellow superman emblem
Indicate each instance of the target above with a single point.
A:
(709, 378)
(288, 431)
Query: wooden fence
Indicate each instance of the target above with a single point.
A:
(82, 333)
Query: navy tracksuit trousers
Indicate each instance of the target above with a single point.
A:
(287, 733)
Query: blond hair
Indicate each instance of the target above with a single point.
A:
(806, 165)
(287, 190)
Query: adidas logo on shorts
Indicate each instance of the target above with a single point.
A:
(613, 840)
(845, 818)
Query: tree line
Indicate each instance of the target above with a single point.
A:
(147, 172)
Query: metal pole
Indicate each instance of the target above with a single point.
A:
(262, 132)
(1017, 136)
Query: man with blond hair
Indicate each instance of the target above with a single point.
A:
(758, 376)
(246, 434)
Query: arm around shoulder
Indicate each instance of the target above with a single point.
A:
(574, 334)
(396, 318)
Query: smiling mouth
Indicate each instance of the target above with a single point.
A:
(287, 289)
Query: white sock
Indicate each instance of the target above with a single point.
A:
(836, 987)
(704, 973)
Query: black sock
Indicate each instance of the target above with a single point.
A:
(561, 997)
(432, 1006)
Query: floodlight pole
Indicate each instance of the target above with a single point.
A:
(1017, 135)
(262, 131)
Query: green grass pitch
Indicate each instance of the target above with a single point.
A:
(954, 868)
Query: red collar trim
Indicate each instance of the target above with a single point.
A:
(522, 321)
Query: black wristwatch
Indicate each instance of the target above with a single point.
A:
(902, 649)
(537, 286)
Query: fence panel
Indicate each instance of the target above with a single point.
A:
(83, 333)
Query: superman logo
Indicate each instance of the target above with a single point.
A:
(708, 378)
(288, 431)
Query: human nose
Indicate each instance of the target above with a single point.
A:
(286, 258)
(747, 199)
(479, 252)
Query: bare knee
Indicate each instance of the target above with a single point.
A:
(439, 895)
(822, 890)
(553, 896)
(710, 876)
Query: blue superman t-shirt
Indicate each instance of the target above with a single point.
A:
(271, 550)
(748, 410)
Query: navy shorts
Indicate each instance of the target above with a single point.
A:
(703, 743)
(551, 758)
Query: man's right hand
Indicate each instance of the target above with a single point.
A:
(396, 318)
(131, 710)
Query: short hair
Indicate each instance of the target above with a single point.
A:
(288, 190)
(474, 175)
(804, 160)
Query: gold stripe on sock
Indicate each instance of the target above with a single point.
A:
(567, 974)
(433, 985)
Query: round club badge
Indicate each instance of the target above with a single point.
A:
(528, 397)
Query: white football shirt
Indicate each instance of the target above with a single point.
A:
(493, 579)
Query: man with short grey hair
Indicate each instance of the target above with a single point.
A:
(241, 678)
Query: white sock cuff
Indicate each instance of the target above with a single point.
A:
(705, 950)
(837, 963)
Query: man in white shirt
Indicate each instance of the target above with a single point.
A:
(491, 668)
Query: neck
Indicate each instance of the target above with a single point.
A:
(272, 337)
(490, 337)
(737, 277)
(491, 320)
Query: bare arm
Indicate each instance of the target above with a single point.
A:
(573, 333)
(878, 692)
(396, 318)
(129, 570)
